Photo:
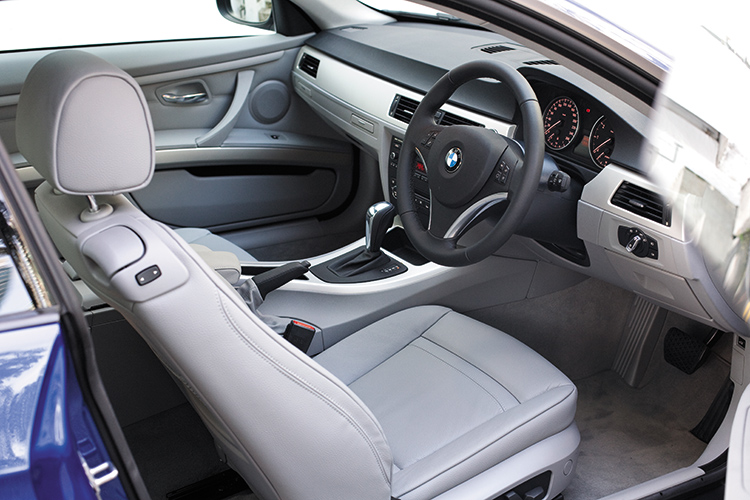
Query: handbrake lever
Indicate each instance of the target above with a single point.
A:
(269, 281)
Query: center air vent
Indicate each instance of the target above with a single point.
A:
(643, 202)
(309, 65)
(403, 108)
(494, 49)
(543, 62)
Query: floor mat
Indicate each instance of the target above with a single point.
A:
(227, 484)
(172, 449)
(629, 435)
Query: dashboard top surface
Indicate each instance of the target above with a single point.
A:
(416, 55)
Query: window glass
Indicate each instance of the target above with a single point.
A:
(34, 24)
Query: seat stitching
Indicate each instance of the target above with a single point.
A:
(493, 442)
(464, 374)
(302, 383)
(475, 366)
(404, 347)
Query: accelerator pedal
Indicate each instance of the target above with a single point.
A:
(686, 352)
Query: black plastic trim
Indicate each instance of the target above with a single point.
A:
(291, 20)
(414, 75)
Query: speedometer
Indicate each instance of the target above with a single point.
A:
(601, 142)
(560, 123)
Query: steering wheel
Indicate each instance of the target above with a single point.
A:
(469, 169)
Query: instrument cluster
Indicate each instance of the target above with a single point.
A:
(575, 126)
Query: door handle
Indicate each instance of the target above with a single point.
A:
(194, 98)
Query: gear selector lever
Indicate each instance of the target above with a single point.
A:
(366, 263)
(377, 221)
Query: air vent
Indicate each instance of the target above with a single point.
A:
(643, 202)
(403, 108)
(494, 49)
(543, 62)
(451, 119)
(309, 65)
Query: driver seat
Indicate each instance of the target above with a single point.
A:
(421, 404)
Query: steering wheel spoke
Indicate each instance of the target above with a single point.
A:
(472, 214)
(441, 218)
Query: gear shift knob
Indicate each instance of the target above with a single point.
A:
(377, 221)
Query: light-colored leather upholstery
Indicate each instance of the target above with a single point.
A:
(417, 404)
(454, 396)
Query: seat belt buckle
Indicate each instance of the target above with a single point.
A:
(300, 334)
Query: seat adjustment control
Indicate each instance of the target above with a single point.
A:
(148, 275)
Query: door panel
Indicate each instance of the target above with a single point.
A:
(268, 158)
(277, 163)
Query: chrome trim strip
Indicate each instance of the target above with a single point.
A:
(470, 214)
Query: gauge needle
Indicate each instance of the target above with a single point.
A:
(602, 144)
(552, 126)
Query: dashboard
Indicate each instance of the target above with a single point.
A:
(612, 223)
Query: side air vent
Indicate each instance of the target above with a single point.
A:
(643, 202)
(543, 62)
(403, 108)
(494, 49)
(309, 65)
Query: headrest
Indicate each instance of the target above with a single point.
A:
(85, 126)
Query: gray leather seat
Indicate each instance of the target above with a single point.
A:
(425, 402)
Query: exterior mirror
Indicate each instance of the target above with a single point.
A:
(253, 12)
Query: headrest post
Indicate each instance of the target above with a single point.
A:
(93, 206)
(95, 211)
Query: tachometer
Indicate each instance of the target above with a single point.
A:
(601, 142)
(560, 123)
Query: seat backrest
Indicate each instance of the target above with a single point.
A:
(288, 426)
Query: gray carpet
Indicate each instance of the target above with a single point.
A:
(629, 435)
(577, 329)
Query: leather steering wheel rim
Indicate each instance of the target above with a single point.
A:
(445, 250)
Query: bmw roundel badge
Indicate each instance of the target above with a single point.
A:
(453, 159)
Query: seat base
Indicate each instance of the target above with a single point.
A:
(455, 398)
(514, 471)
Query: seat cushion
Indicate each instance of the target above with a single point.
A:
(453, 395)
(200, 236)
